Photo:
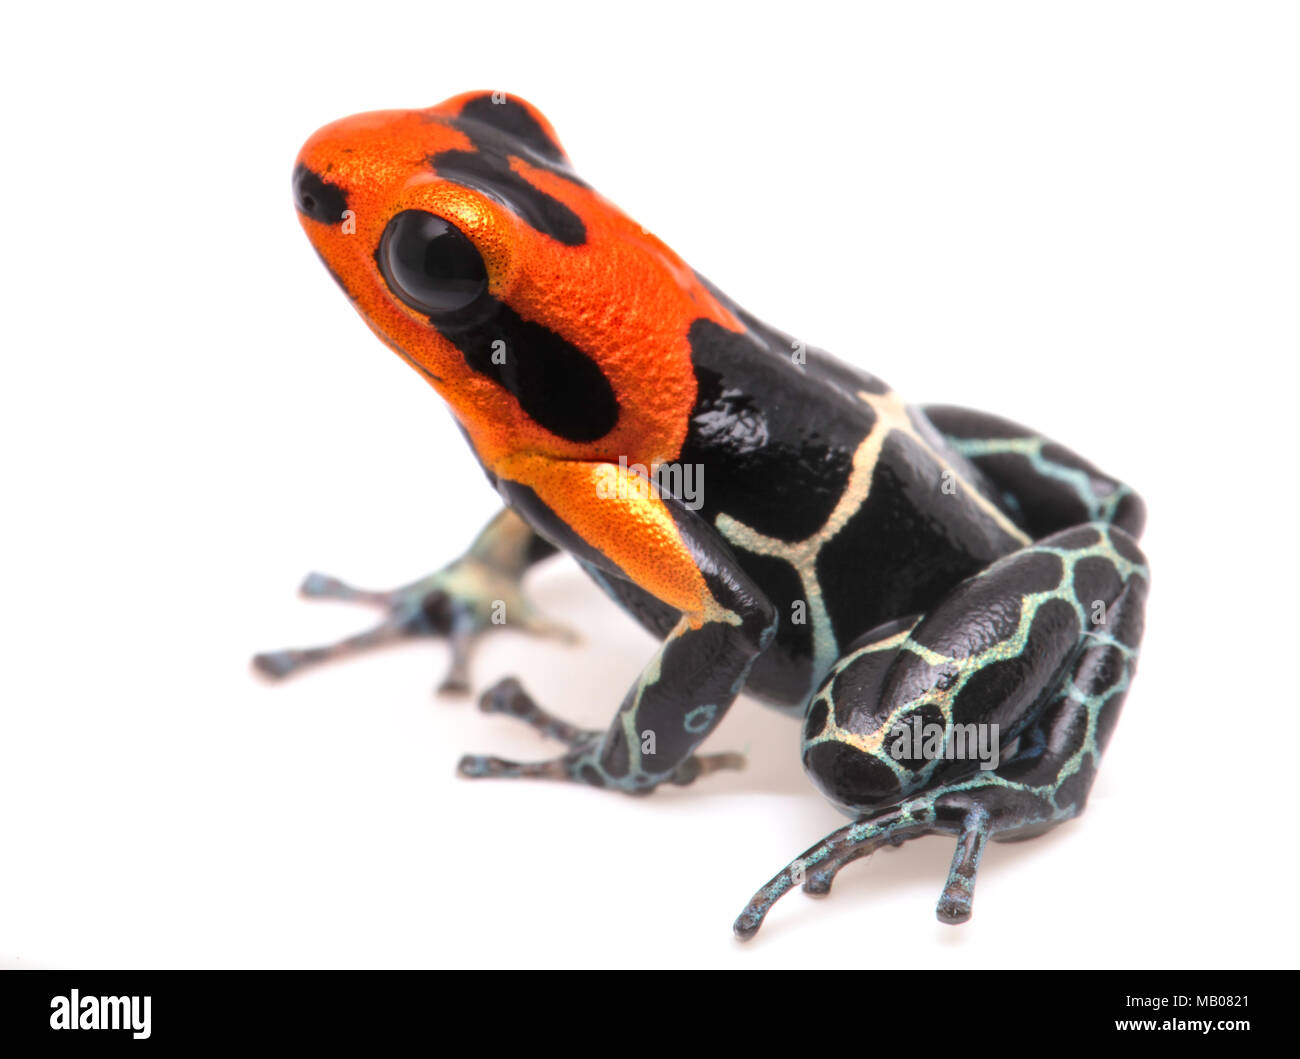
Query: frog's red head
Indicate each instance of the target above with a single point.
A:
(549, 321)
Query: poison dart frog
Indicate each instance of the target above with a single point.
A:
(950, 603)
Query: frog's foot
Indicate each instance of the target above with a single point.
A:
(581, 764)
(967, 817)
(459, 602)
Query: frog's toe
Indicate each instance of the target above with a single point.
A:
(818, 883)
(485, 766)
(508, 697)
(277, 664)
(460, 639)
(285, 662)
(322, 586)
(959, 892)
(815, 869)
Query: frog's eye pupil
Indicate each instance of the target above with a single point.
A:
(430, 264)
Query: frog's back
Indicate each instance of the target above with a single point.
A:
(845, 506)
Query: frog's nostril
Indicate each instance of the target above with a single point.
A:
(308, 203)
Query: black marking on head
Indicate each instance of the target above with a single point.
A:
(515, 120)
(489, 172)
(317, 199)
(556, 384)
(499, 131)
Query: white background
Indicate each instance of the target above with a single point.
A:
(1084, 217)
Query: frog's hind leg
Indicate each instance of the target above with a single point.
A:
(459, 602)
(1040, 483)
(1031, 660)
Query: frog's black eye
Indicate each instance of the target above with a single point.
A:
(431, 264)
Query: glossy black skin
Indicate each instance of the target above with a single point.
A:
(776, 426)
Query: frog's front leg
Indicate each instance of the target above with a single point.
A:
(508, 697)
(658, 544)
(462, 600)
(986, 718)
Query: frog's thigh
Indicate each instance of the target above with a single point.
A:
(1044, 643)
(1042, 484)
(1001, 681)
